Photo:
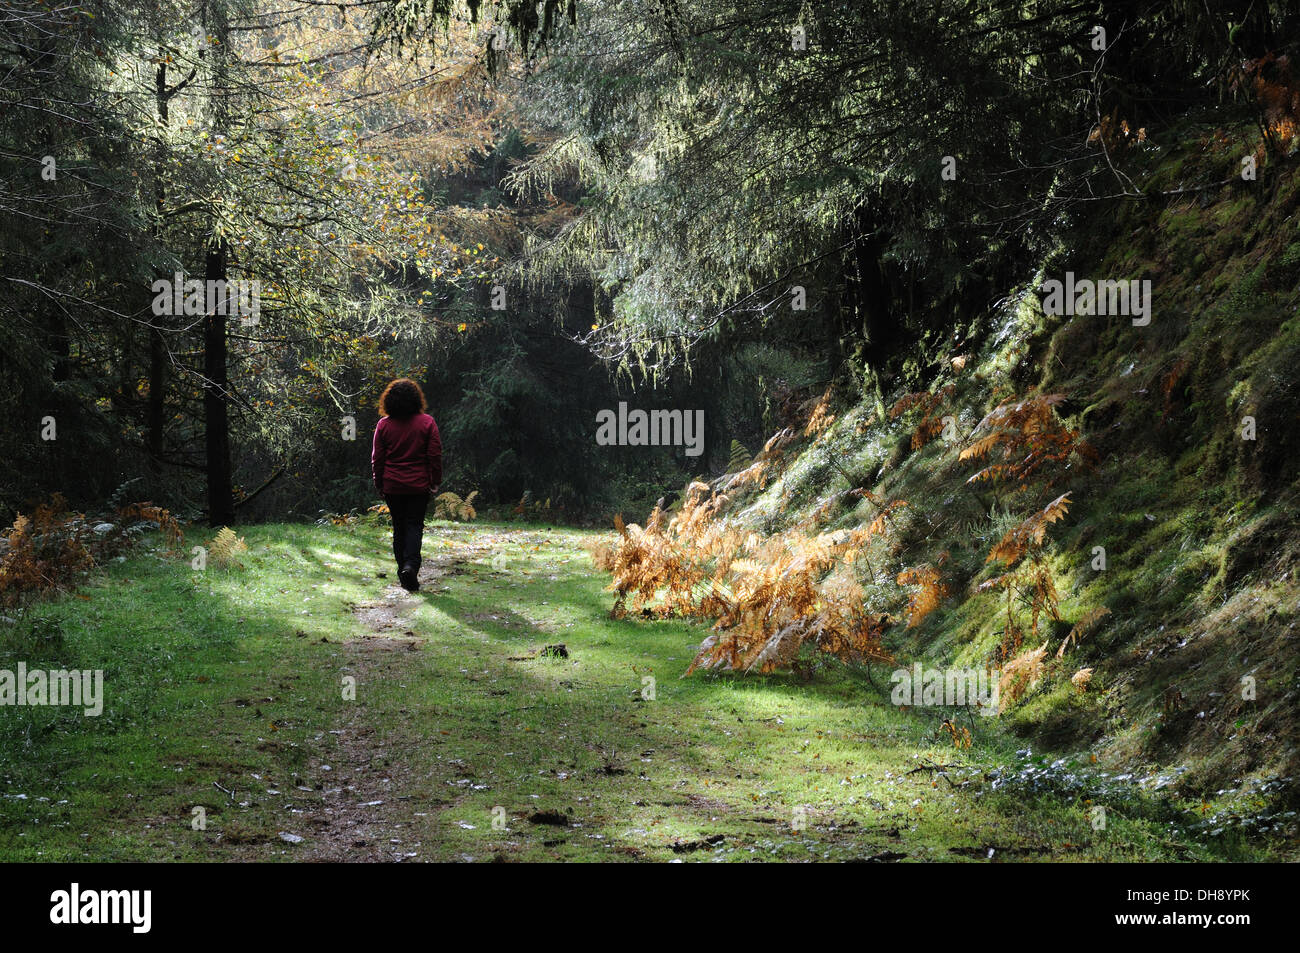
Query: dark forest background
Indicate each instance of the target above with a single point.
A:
(649, 181)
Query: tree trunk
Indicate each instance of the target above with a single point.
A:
(216, 389)
(216, 413)
(867, 316)
(157, 382)
(157, 346)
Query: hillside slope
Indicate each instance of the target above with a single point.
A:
(1140, 432)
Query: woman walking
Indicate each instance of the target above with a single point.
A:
(406, 463)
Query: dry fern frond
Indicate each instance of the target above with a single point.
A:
(225, 546)
(449, 506)
(1029, 533)
(1021, 674)
(927, 595)
(768, 597)
(167, 523)
(883, 518)
(961, 737)
(768, 460)
(1081, 628)
(45, 551)
(1081, 679)
(927, 403)
(1030, 437)
(980, 447)
(819, 416)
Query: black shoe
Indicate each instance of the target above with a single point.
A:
(408, 576)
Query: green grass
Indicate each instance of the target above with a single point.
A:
(224, 686)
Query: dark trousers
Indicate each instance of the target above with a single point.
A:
(408, 511)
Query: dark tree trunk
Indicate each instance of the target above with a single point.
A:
(157, 382)
(221, 501)
(868, 318)
(157, 346)
(61, 347)
(216, 389)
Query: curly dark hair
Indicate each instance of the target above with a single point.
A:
(402, 399)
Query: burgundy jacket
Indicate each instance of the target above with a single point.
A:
(406, 456)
